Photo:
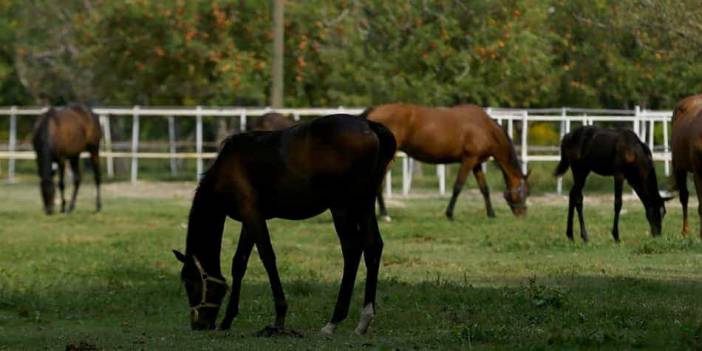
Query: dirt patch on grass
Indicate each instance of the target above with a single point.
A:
(151, 190)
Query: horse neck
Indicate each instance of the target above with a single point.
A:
(506, 158)
(205, 227)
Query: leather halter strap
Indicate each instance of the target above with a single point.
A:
(521, 191)
(205, 278)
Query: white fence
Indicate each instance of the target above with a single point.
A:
(643, 122)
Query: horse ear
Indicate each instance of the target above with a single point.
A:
(179, 256)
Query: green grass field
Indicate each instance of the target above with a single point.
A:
(110, 280)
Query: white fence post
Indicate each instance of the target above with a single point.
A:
(388, 183)
(198, 140)
(562, 132)
(405, 176)
(242, 122)
(135, 144)
(525, 130)
(666, 148)
(441, 173)
(109, 160)
(651, 129)
(12, 145)
(172, 144)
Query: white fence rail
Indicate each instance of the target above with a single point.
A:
(641, 121)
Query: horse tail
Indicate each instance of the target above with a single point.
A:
(366, 112)
(564, 163)
(562, 167)
(388, 145)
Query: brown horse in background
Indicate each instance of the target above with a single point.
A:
(61, 135)
(687, 151)
(270, 121)
(463, 134)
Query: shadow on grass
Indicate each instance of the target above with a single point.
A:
(575, 311)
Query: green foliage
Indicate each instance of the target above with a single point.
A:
(511, 53)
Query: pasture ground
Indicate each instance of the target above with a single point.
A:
(110, 280)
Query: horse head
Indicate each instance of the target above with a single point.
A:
(205, 292)
(516, 194)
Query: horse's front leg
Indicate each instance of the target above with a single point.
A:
(372, 252)
(258, 230)
(484, 189)
(239, 264)
(618, 184)
(346, 225)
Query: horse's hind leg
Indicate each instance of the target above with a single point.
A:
(681, 182)
(346, 224)
(482, 183)
(239, 264)
(95, 163)
(372, 252)
(575, 201)
(75, 168)
(466, 166)
(381, 207)
(618, 184)
(61, 184)
(698, 188)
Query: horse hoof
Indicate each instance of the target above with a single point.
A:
(491, 214)
(328, 330)
(449, 216)
(386, 218)
(367, 316)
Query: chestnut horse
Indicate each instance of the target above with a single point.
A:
(687, 151)
(269, 122)
(463, 134)
(61, 135)
(610, 152)
(335, 162)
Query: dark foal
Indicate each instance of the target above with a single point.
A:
(462, 134)
(610, 152)
(335, 162)
(687, 152)
(61, 135)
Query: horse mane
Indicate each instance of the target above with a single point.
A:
(366, 112)
(513, 160)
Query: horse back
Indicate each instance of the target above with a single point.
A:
(604, 151)
(301, 171)
(71, 130)
(439, 135)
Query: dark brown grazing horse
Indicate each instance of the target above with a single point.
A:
(269, 122)
(610, 152)
(335, 162)
(687, 151)
(463, 134)
(60, 135)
